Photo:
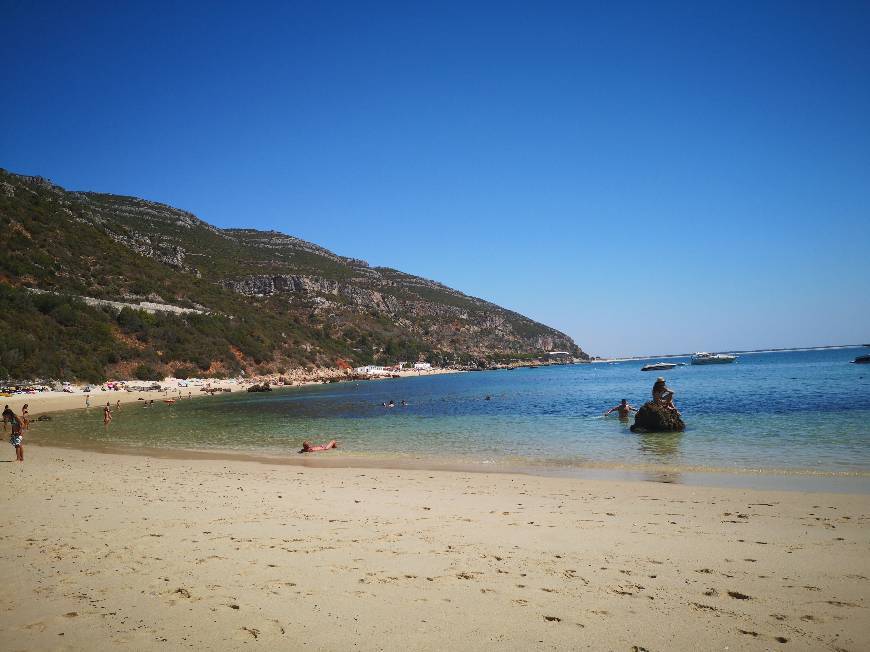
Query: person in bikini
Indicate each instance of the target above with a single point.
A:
(308, 448)
(663, 395)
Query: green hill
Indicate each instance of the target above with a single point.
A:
(189, 298)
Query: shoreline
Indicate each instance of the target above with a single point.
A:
(799, 480)
(55, 401)
(146, 553)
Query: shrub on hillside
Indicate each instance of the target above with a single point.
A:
(147, 372)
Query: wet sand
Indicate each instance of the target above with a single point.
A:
(117, 550)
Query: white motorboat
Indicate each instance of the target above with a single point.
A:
(713, 358)
(659, 366)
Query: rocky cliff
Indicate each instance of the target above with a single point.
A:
(126, 249)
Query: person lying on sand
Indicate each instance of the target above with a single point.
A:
(624, 409)
(308, 448)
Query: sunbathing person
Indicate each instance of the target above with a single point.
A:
(308, 448)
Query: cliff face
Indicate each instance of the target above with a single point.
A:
(128, 249)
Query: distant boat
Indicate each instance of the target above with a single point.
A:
(713, 358)
(862, 359)
(659, 366)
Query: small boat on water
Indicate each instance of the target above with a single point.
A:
(659, 366)
(862, 359)
(713, 358)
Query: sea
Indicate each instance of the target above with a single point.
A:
(797, 418)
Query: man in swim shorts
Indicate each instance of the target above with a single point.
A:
(7, 416)
(624, 409)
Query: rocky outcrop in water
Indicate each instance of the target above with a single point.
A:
(652, 417)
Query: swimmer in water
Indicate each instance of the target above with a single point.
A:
(624, 409)
(308, 448)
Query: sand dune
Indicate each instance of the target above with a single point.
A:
(112, 550)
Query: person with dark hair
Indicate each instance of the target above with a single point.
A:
(664, 395)
(624, 408)
(308, 448)
(17, 438)
(7, 416)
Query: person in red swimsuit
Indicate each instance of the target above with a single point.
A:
(308, 448)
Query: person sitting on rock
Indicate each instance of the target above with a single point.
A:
(663, 395)
(624, 409)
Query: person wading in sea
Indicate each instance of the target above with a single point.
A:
(624, 409)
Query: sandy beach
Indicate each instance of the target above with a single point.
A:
(55, 401)
(105, 550)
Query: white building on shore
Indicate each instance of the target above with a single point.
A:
(371, 370)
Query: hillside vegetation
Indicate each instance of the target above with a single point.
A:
(221, 300)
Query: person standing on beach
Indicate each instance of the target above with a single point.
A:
(87, 400)
(118, 405)
(107, 414)
(8, 415)
(17, 438)
(25, 416)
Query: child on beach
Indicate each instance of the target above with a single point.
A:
(17, 438)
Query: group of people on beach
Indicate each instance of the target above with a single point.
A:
(661, 393)
(19, 424)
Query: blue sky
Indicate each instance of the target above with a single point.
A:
(647, 177)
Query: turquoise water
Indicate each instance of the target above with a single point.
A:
(795, 411)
